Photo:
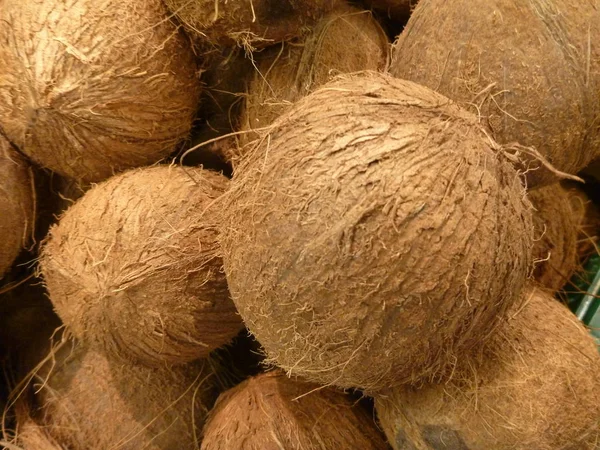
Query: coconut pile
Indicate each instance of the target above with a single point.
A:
(298, 224)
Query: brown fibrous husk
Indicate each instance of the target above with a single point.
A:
(94, 87)
(587, 217)
(134, 268)
(273, 411)
(535, 386)
(374, 233)
(530, 70)
(398, 10)
(17, 205)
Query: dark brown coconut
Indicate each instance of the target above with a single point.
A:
(346, 40)
(530, 70)
(374, 234)
(557, 229)
(134, 268)
(95, 87)
(17, 205)
(86, 402)
(270, 411)
(535, 386)
(247, 23)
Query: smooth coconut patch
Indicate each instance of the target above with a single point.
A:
(89, 88)
(134, 268)
(374, 234)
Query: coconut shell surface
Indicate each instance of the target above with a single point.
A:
(536, 386)
(530, 70)
(374, 234)
(134, 268)
(271, 411)
(87, 402)
(89, 88)
(17, 205)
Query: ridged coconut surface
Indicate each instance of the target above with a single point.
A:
(374, 234)
(88, 88)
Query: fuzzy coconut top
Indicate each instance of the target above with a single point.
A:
(134, 267)
(17, 204)
(93, 87)
(374, 233)
(535, 386)
(530, 70)
(271, 411)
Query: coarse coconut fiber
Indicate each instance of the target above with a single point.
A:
(134, 268)
(17, 204)
(587, 217)
(93, 87)
(374, 234)
(394, 9)
(530, 70)
(271, 411)
(535, 386)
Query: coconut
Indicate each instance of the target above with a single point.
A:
(535, 386)
(394, 9)
(530, 70)
(557, 226)
(271, 411)
(134, 269)
(346, 40)
(247, 23)
(93, 87)
(85, 401)
(16, 203)
(587, 217)
(374, 233)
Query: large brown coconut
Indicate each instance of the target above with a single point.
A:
(134, 268)
(88, 88)
(87, 402)
(270, 411)
(247, 23)
(536, 386)
(557, 230)
(374, 234)
(346, 40)
(17, 205)
(530, 70)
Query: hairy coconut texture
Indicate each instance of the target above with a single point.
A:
(534, 386)
(93, 87)
(394, 9)
(134, 268)
(557, 229)
(374, 234)
(587, 217)
(31, 436)
(346, 40)
(247, 23)
(530, 70)
(270, 411)
(86, 402)
(17, 205)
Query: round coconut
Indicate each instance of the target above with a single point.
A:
(94, 87)
(587, 217)
(17, 204)
(270, 411)
(530, 70)
(557, 230)
(535, 386)
(134, 268)
(85, 401)
(374, 234)
(247, 23)
(346, 40)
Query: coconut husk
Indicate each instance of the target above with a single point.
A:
(134, 269)
(247, 23)
(587, 216)
(17, 203)
(535, 386)
(346, 40)
(374, 234)
(398, 10)
(94, 87)
(530, 70)
(557, 228)
(29, 434)
(271, 411)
